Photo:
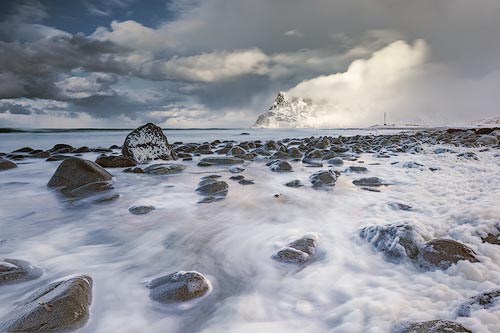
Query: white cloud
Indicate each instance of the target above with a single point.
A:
(399, 80)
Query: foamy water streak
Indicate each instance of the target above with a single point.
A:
(349, 288)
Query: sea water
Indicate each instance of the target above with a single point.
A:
(348, 288)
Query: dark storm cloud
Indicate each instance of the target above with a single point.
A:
(231, 55)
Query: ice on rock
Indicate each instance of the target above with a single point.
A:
(484, 300)
(147, 143)
(395, 241)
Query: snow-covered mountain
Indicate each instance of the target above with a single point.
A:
(287, 113)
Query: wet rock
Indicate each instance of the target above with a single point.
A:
(62, 306)
(178, 287)
(76, 172)
(493, 238)
(212, 187)
(336, 161)
(61, 146)
(228, 160)
(134, 170)
(442, 253)
(89, 189)
(81, 150)
(115, 162)
(236, 151)
(412, 165)
(488, 140)
(299, 251)
(211, 177)
(23, 150)
(395, 242)
(6, 164)
(147, 143)
(246, 182)
(280, 155)
(57, 158)
(209, 199)
(323, 178)
(294, 183)
(370, 181)
(434, 326)
(471, 156)
(280, 166)
(314, 154)
(484, 300)
(355, 168)
(236, 169)
(164, 168)
(312, 163)
(294, 152)
(237, 178)
(244, 133)
(141, 210)
(443, 151)
(42, 154)
(14, 270)
(399, 206)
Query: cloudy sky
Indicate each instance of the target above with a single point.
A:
(220, 63)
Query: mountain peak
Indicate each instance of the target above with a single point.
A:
(287, 113)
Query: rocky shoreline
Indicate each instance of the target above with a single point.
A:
(54, 307)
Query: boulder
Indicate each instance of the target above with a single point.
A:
(484, 300)
(178, 287)
(294, 183)
(395, 241)
(14, 270)
(323, 178)
(141, 210)
(442, 253)
(6, 164)
(115, 162)
(370, 181)
(336, 161)
(62, 306)
(75, 172)
(299, 251)
(212, 187)
(355, 168)
(228, 160)
(280, 166)
(400, 206)
(164, 168)
(147, 143)
(434, 326)
(488, 140)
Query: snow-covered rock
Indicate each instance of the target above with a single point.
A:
(148, 143)
(287, 113)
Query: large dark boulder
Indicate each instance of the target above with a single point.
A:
(74, 173)
(435, 326)
(395, 241)
(6, 164)
(299, 251)
(178, 287)
(115, 162)
(14, 270)
(147, 143)
(62, 306)
(484, 300)
(442, 253)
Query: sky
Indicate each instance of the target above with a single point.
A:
(220, 63)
